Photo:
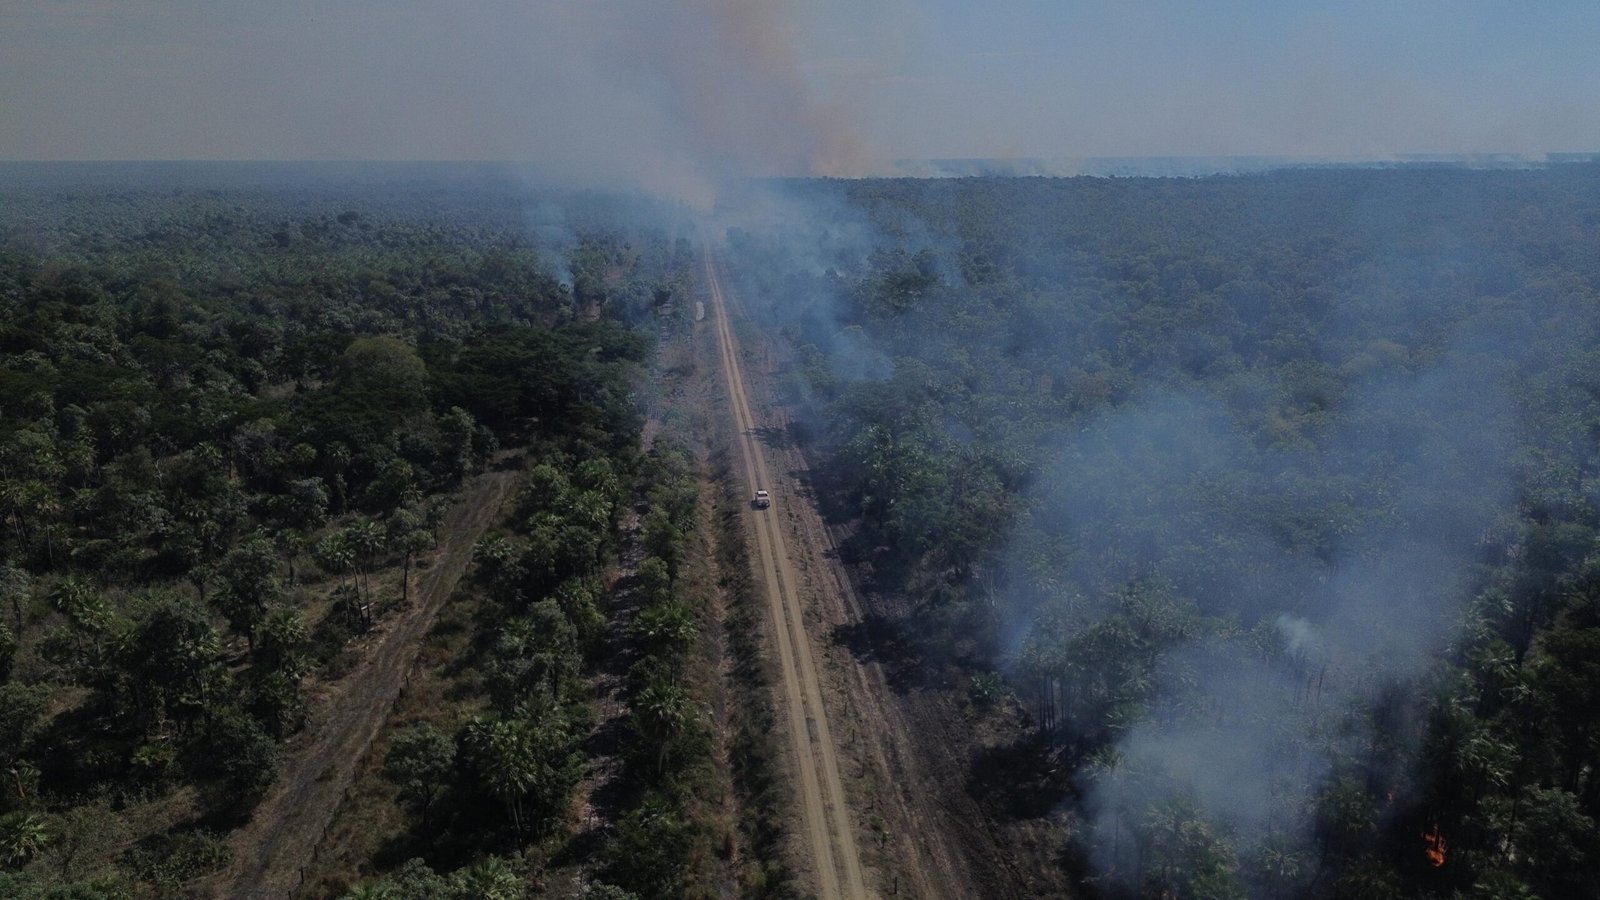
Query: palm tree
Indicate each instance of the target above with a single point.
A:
(661, 712)
(79, 602)
(13, 500)
(1280, 866)
(291, 542)
(668, 626)
(421, 761)
(283, 633)
(22, 836)
(172, 653)
(490, 879)
(504, 753)
(366, 539)
(15, 587)
(409, 534)
(85, 608)
(334, 554)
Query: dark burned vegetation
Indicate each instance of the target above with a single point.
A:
(1269, 499)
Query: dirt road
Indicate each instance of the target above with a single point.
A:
(272, 850)
(830, 826)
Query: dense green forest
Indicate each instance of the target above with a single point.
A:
(235, 407)
(1271, 501)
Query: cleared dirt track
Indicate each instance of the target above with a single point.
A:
(272, 851)
(830, 829)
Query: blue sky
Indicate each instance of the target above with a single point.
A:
(829, 86)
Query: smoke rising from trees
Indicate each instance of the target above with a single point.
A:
(1259, 500)
(672, 98)
(1369, 586)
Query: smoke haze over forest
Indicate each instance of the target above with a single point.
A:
(675, 96)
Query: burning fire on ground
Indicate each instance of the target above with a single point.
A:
(1433, 847)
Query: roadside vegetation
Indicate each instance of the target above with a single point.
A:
(754, 751)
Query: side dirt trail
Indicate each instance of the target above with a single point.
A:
(272, 851)
(829, 824)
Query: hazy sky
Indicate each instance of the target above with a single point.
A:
(825, 86)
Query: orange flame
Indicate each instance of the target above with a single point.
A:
(1434, 848)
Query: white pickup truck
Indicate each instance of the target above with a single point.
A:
(762, 500)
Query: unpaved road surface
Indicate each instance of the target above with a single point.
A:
(271, 852)
(829, 824)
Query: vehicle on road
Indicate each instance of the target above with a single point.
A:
(762, 499)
